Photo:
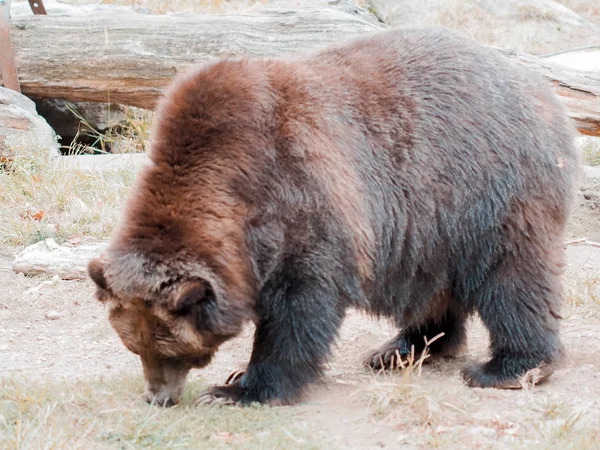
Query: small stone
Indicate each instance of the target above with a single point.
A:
(589, 195)
(108, 366)
(3, 348)
(52, 315)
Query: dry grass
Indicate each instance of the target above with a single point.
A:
(583, 293)
(590, 148)
(436, 415)
(109, 413)
(40, 200)
(130, 135)
(400, 398)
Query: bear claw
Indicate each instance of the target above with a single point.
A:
(220, 395)
(389, 359)
(234, 377)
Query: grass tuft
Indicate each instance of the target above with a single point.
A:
(109, 413)
(590, 148)
(129, 135)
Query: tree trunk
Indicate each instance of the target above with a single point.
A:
(129, 59)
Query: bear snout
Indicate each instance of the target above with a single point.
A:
(165, 380)
(160, 399)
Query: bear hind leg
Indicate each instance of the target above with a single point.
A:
(518, 304)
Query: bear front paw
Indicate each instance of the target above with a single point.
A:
(220, 395)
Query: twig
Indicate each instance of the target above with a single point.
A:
(583, 241)
(575, 241)
(571, 50)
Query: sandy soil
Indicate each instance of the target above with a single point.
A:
(585, 219)
(53, 328)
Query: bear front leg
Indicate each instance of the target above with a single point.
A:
(298, 321)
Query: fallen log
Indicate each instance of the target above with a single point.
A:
(578, 90)
(129, 59)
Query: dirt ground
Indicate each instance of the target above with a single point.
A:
(52, 328)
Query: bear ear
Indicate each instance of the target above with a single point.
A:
(96, 268)
(189, 294)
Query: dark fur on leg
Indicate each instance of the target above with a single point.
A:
(290, 343)
(519, 305)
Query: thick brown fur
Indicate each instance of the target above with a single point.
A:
(412, 174)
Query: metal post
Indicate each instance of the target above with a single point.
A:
(37, 6)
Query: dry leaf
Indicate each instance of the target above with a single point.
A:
(39, 215)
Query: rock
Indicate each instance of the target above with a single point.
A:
(533, 9)
(106, 163)
(52, 315)
(10, 97)
(507, 23)
(22, 129)
(590, 195)
(47, 257)
(395, 12)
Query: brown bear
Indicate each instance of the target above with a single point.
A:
(412, 174)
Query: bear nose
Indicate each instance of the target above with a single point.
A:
(168, 403)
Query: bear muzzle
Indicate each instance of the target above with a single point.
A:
(165, 380)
